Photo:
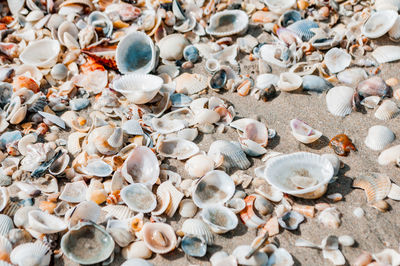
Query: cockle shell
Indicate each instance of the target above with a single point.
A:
(190, 83)
(171, 46)
(376, 186)
(379, 23)
(220, 219)
(229, 154)
(301, 174)
(138, 198)
(303, 28)
(176, 197)
(177, 148)
(236, 204)
(379, 137)
(159, 237)
(228, 22)
(216, 187)
(120, 212)
(36, 253)
(41, 53)
(142, 60)
(337, 60)
(6, 224)
(389, 155)
(386, 53)
(303, 132)
(74, 192)
(339, 100)
(141, 166)
(289, 81)
(45, 223)
(251, 129)
(387, 110)
(187, 208)
(197, 227)
(199, 165)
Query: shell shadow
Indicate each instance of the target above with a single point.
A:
(320, 143)
(342, 185)
(273, 143)
(240, 230)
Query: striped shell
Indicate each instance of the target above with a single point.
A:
(379, 23)
(28, 253)
(387, 110)
(230, 153)
(386, 53)
(120, 212)
(6, 224)
(337, 60)
(303, 28)
(389, 155)
(339, 100)
(198, 228)
(379, 137)
(376, 186)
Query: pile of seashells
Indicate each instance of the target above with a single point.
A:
(99, 98)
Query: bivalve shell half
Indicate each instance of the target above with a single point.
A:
(42, 53)
(379, 23)
(303, 132)
(376, 185)
(178, 148)
(139, 198)
(278, 6)
(45, 223)
(31, 254)
(159, 237)
(386, 53)
(289, 81)
(389, 155)
(337, 60)
(229, 154)
(6, 224)
(379, 137)
(339, 100)
(199, 165)
(219, 218)
(228, 22)
(198, 228)
(387, 110)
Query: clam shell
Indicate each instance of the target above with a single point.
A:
(4, 197)
(386, 53)
(86, 210)
(198, 228)
(132, 127)
(379, 23)
(281, 257)
(303, 132)
(376, 186)
(199, 165)
(6, 224)
(97, 167)
(87, 243)
(334, 160)
(289, 81)
(15, 6)
(236, 204)
(278, 6)
(190, 83)
(303, 29)
(228, 22)
(176, 197)
(159, 237)
(188, 133)
(53, 119)
(178, 148)
(387, 256)
(142, 60)
(315, 84)
(394, 32)
(74, 192)
(172, 46)
(387, 110)
(165, 126)
(337, 60)
(138, 198)
(330, 218)
(335, 256)
(258, 258)
(187, 208)
(26, 254)
(45, 223)
(394, 192)
(300, 174)
(194, 246)
(118, 211)
(99, 19)
(339, 100)
(269, 192)
(379, 137)
(230, 153)
(141, 166)
(42, 53)
(389, 155)
(220, 219)
(120, 232)
(352, 76)
(216, 187)
(265, 81)
(248, 215)
(21, 216)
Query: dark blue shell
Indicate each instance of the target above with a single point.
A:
(315, 83)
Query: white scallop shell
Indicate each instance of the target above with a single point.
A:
(74, 192)
(339, 100)
(120, 212)
(171, 46)
(6, 224)
(138, 198)
(152, 232)
(379, 23)
(187, 208)
(352, 76)
(31, 254)
(334, 160)
(21, 216)
(197, 227)
(387, 110)
(228, 22)
(138, 88)
(199, 165)
(42, 53)
(135, 54)
(230, 154)
(386, 53)
(301, 174)
(45, 223)
(216, 187)
(379, 137)
(178, 148)
(120, 232)
(389, 155)
(220, 219)
(163, 201)
(303, 132)
(190, 83)
(279, 6)
(337, 60)
(289, 81)
(4, 197)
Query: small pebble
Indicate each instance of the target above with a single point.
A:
(358, 212)
(346, 240)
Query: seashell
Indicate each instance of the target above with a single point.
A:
(180, 149)
(352, 76)
(138, 198)
(330, 217)
(315, 84)
(281, 257)
(159, 237)
(394, 192)
(379, 137)
(379, 23)
(36, 253)
(291, 220)
(387, 110)
(206, 116)
(118, 211)
(236, 204)
(87, 243)
(59, 165)
(53, 119)
(339, 100)
(374, 86)
(4, 197)
(86, 210)
(386, 53)
(21, 216)
(289, 17)
(74, 192)
(336, 60)
(229, 153)
(132, 127)
(78, 104)
(59, 71)
(194, 246)
(188, 133)
(199, 165)
(15, 6)
(387, 257)
(45, 223)
(100, 20)
(303, 29)
(269, 192)
(228, 22)
(171, 46)
(212, 65)
(137, 262)
(141, 166)
(180, 100)
(176, 197)
(265, 81)
(252, 148)
(6, 224)
(258, 258)
(252, 129)
(346, 240)
(371, 102)
(190, 83)
(218, 80)
(302, 174)
(137, 250)
(216, 187)
(394, 32)
(335, 256)
(334, 160)
(220, 219)
(41, 53)
(187, 208)
(263, 206)
(389, 155)
(303, 132)
(187, 25)
(289, 81)
(142, 61)
(120, 232)
(376, 186)
(197, 227)
(248, 216)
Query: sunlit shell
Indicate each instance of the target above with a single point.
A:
(159, 237)
(303, 132)
(376, 186)
(352, 76)
(386, 53)
(6, 224)
(219, 218)
(199, 165)
(4, 197)
(59, 165)
(279, 7)
(139, 198)
(337, 60)
(300, 174)
(394, 192)
(86, 210)
(228, 154)
(387, 256)
(379, 23)
(176, 197)
(303, 28)
(187, 208)
(194, 246)
(171, 46)
(163, 201)
(74, 192)
(142, 60)
(379, 137)
(118, 211)
(236, 204)
(289, 81)
(141, 166)
(198, 228)
(132, 127)
(339, 100)
(180, 149)
(389, 155)
(41, 53)
(36, 253)
(291, 220)
(265, 81)
(330, 218)
(258, 258)
(136, 250)
(53, 119)
(87, 243)
(137, 262)
(251, 129)
(315, 84)
(228, 22)
(387, 110)
(45, 223)
(120, 232)
(190, 83)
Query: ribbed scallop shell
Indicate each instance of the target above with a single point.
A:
(387, 110)
(303, 28)
(394, 32)
(337, 60)
(6, 224)
(5, 245)
(198, 228)
(376, 185)
(190, 83)
(231, 154)
(339, 100)
(120, 212)
(228, 22)
(389, 155)
(379, 137)
(27, 253)
(176, 197)
(379, 23)
(386, 53)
